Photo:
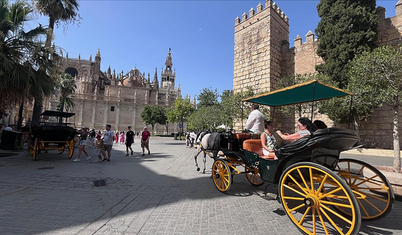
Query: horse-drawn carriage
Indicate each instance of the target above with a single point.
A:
(52, 133)
(320, 192)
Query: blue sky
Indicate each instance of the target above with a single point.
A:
(200, 33)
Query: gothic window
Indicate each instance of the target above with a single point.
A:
(72, 71)
(112, 108)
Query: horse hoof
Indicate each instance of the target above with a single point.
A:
(203, 171)
(198, 169)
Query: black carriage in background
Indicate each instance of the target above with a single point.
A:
(320, 192)
(53, 134)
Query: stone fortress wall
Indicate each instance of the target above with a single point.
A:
(262, 56)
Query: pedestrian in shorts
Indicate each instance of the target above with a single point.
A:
(84, 135)
(107, 143)
(145, 140)
(129, 140)
(99, 146)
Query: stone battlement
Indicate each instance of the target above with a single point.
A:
(269, 4)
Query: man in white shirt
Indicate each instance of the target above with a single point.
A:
(255, 121)
(107, 143)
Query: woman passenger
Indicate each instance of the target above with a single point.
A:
(268, 141)
(305, 128)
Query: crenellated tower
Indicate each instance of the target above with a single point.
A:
(167, 75)
(260, 38)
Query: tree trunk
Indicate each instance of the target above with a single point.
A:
(38, 105)
(356, 124)
(49, 35)
(19, 123)
(37, 110)
(395, 134)
(62, 108)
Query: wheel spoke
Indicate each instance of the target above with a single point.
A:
(358, 173)
(366, 180)
(294, 190)
(304, 216)
(363, 208)
(330, 193)
(321, 185)
(297, 207)
(371, 204)
(305, 190)
(301, 176)
(311, 179)
(322, 221)
(331, 221)
(337, 214)
(336, 204)
(294, 198)
(314, 225)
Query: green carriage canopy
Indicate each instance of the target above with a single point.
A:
(300, 93)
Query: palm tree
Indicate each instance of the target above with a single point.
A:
(57, 11)
(66, 85)
(21, 56)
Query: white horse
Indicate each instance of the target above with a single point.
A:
(191, 139)
(207, 143)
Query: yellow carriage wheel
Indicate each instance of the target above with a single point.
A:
(309, 191)
(221, 175)
(33, 150)
(61, 149)
(373, 191)
(253, 176)
(70, 147)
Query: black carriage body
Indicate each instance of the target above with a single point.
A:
(322, 147)
(50, 133)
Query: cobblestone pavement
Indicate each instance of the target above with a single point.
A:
(160, 193)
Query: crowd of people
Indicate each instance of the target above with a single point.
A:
(104, 143)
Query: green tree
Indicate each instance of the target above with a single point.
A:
(301, 109)
(66, 86)
(207, 97)
(379, 74)
(180, 112)
(240, 109)
(151, 115)
(58, 11)
(21, 54)
(227, 108)
(205, 118)
(347, 28)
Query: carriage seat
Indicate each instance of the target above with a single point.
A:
(253, 145)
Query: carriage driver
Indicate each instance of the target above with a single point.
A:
(255, 120)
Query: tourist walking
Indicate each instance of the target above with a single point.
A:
(84, 135)
(122, 137)
(116, 137)
(145, 140)
(99, 146)
(129, 140)
(107, 143)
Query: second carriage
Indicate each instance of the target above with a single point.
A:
(53, 134)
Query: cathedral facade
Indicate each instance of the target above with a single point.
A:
(105, 97)
(262, 56)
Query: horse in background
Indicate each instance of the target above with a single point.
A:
(191, 138)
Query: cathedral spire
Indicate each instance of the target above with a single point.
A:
(168, 63)
(167, 77)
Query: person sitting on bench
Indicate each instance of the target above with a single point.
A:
(268, 141)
